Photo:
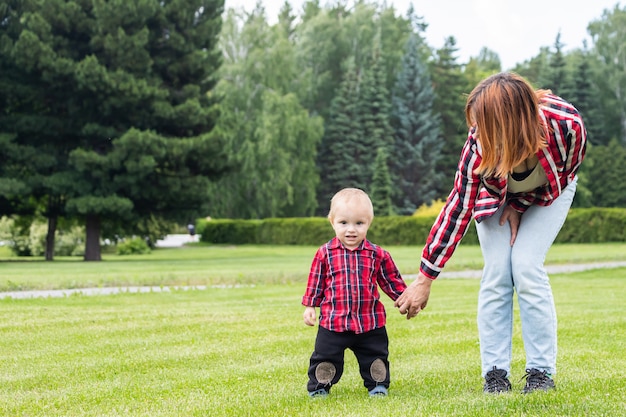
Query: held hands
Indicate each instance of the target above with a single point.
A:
(310, 317)
(415, 297)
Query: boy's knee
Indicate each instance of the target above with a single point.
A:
(378, 370)
(325, 372)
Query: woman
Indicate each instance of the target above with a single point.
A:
(517, 178)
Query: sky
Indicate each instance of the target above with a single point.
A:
(515, 30)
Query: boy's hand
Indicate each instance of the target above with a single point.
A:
(415, 297)
(309, 316)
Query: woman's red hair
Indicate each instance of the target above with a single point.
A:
(504, 108)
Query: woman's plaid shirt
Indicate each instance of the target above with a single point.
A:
(476, 197)
(344, 284)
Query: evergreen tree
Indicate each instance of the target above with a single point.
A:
(374, 110)
(450, 86)
(605, 174)
(417, 139)
(123, 91)
(381, 188)
(337, 160)
(558, 80)
(584, 95)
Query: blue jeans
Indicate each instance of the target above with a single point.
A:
(519, 268)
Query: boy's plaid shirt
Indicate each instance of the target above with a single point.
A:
(344, 284)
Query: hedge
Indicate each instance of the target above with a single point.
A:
(593, 225)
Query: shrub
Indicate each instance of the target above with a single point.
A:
(134, 246)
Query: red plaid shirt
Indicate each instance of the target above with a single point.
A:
(476, 197)
(344, 284)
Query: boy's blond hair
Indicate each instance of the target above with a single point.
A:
(347, 195)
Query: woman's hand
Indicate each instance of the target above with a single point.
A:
(415, 297)
(514, 218)
(309, 316)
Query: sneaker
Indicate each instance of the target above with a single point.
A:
(318, 393)
(378, 391)
(537, 380)
(496, 381)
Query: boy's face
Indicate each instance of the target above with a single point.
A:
(351, 221)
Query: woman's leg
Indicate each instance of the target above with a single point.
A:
(538, 229)
(495, 298)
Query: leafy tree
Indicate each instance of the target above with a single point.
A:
(270, 137)
(609, 37)
(417, 138)
(480, 67)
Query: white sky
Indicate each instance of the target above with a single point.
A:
(515, 29)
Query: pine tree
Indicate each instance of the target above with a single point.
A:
(374, 110)
(417, 139)
(585, 97)
(123, 108)
(449, 86)
(381, 188)
(337, 158)
(557, 78)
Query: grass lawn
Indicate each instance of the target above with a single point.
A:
(243, 350)
(228, 265)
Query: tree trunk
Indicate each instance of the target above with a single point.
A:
(92, 240)
(52, 228)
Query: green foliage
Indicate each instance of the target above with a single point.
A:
(417, 145)
(381, 185)
(27, 237)
(134, 246)
(609, 34)
(603, 171)
(307, 231)
(582, 226)
(228, 231)
(591, 225)
(450, 93)
(114, 97)
(270, 138)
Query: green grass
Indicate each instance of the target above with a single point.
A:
(215, 265)
(244, 350)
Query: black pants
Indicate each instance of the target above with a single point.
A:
(367, 347)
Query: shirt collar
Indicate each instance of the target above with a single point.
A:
(335, 243)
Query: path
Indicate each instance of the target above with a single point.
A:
(552, 269)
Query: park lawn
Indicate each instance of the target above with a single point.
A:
(230, 265)
(243, 351)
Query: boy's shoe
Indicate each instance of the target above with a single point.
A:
(537, 380)
(318, 393)
(496, 381)
(378, 391)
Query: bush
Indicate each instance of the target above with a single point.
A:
(236, 232)
(595, 225)
(134, 246)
